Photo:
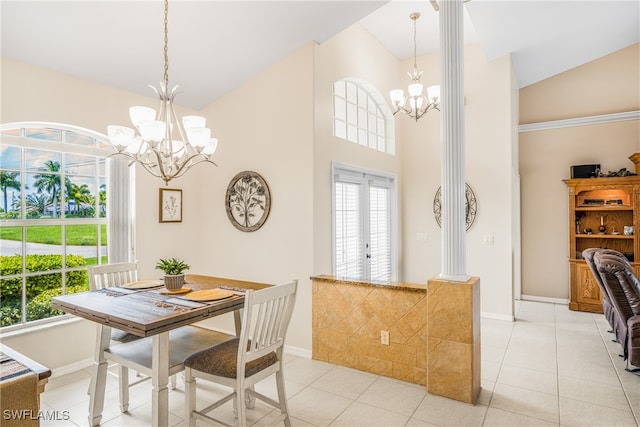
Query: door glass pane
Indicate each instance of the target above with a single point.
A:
(379, 234)
(348, 238)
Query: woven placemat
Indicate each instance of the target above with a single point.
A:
(208, 295)
(142, 284)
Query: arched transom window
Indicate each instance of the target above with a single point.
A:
(361, 115)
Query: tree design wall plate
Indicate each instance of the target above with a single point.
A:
(248, 201)
(471, 206)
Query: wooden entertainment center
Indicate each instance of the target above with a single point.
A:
(603, 213)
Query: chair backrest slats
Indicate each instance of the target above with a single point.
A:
(266, 317)
(116, 274)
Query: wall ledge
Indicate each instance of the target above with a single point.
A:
(580, 121)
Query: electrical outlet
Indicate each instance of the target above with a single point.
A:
(384, 337)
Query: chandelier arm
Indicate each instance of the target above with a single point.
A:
(174, 117)
(182, 170)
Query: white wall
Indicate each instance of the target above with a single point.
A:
(266, 126)
(489, 139)
(351, 53)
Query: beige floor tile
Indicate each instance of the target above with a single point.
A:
(362, 415)
(349, 383)
(396, 396)
(593, 392)
(544, 382)
(499, 418)
(574, 413)
(317, 407)
(447, 412)
(526, 402)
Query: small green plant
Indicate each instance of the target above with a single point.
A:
(172, 266)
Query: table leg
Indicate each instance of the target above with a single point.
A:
(99, 376)
(237, 317)
(160, 379)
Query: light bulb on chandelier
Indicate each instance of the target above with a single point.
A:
(416, 104)
(155, 148)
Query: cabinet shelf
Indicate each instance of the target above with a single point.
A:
(604, 208)
(603, 236)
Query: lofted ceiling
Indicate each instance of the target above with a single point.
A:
(214, 46)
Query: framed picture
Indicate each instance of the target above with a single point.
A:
(248, 201)
(170, 205)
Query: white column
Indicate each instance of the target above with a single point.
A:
(453, 147)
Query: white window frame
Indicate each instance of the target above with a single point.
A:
(363, 114)
(341, 172)
(120, 202)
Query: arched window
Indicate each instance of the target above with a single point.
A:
(57, 193)
(361, 115)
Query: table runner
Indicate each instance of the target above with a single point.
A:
(18, 394)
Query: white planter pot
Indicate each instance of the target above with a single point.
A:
(173, 282)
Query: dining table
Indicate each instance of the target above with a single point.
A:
(160, 318)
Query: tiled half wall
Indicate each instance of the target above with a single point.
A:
(348, 317)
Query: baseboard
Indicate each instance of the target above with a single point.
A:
(297, 351)
(72, 367)
(497, 316)
(561, 301)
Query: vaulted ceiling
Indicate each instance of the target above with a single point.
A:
(214, 46)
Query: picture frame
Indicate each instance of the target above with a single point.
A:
(170, 205)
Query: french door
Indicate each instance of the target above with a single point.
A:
(363, 224)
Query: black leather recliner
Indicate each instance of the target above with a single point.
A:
(607, 307)
(623, 288)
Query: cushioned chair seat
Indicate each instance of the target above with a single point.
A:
(222, 360)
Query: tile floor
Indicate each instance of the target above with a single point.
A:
(551, 367)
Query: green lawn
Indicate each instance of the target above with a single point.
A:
(81, 235)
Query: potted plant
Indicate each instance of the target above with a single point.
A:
(173, 269)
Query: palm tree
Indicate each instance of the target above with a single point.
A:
(36, 204)
(8, 180)
(79, 194)
(50, 183)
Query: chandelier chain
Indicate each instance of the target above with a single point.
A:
(166, 42)
(415, 42)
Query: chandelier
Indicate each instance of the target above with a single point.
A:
(416, 104)
(154, 147)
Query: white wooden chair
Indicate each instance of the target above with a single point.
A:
(242, 362)
(118, 274)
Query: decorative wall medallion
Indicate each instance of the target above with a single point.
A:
(248, 201)
(471, 206)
